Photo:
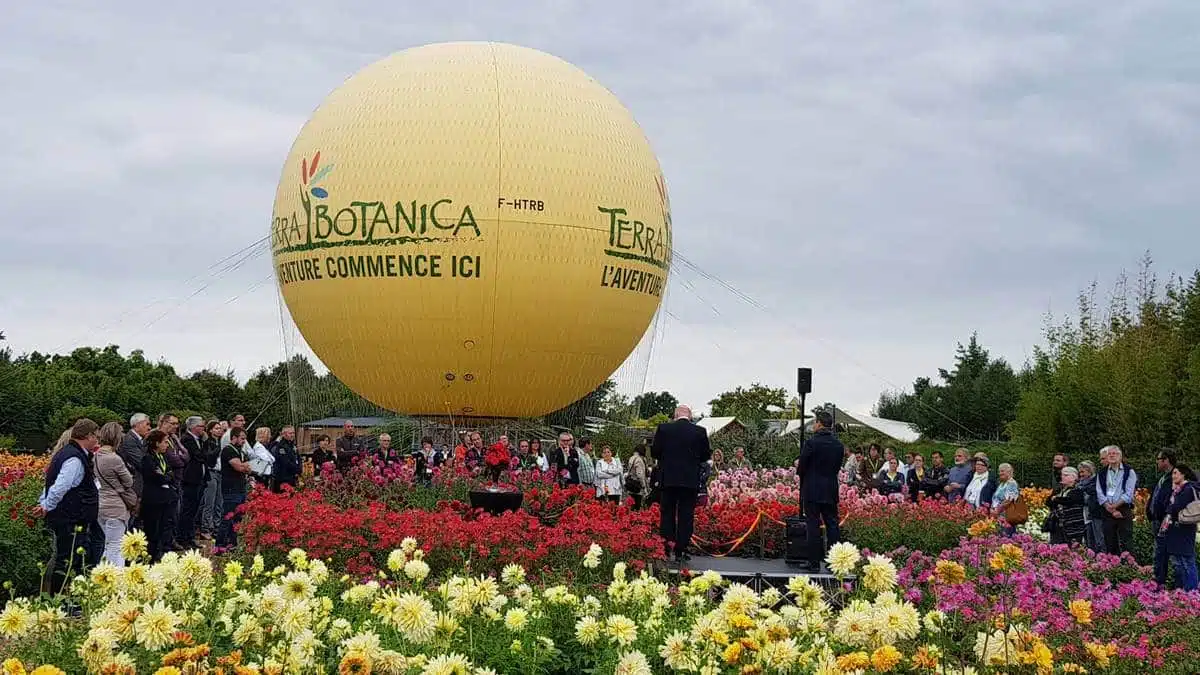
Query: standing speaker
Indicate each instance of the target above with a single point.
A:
(804, 380)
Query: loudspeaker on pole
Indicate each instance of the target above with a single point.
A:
(804, 380)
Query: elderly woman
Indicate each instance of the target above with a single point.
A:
(1007, 492)
(1068, 505)
(981, 487)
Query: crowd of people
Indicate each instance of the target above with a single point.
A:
(175, 483)
(1090, 504)
(183, 483)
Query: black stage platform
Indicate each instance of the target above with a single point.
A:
(758, 573)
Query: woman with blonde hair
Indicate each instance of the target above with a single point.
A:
(262, 462)
(117, 497)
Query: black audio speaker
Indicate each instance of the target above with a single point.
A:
(804, 380)
(796, 552)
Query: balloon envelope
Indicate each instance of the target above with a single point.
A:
(472, 229)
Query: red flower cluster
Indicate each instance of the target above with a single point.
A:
(747, 527)
(452, 535)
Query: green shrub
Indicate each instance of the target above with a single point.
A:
(24, 542)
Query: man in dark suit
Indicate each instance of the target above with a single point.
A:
(192, 481)
(821, 458)
(680, 448)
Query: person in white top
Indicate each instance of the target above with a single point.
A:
(261, 459)
(609, 473)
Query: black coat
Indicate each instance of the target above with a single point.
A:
(132, 450)
(157, 487)
(821, 459)
(193, 471)
(681, 447)
(287, 461)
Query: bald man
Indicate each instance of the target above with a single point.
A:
(681, 448)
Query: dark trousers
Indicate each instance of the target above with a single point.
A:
(816, 513)
(170, 522)
(155, 520)
(678, 518)
(66, 559)
(1118, 533)
(189, 511)
(1161, 559)
(226, 537)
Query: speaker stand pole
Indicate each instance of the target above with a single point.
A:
(803, 419)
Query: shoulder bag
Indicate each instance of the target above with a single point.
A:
(1190, 514)
(1016, 513)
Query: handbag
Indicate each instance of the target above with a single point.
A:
(1016, 513)
(1190, 514)
(632, 484)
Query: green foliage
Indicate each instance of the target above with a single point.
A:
(7, 441)
(651, 422)
(890, 530)
(24, 543)
(975, 400)
(651, 403)
(40, 394)
(749, 405)
(1129, 376)
(65, 417)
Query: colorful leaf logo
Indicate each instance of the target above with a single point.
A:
(311, 172)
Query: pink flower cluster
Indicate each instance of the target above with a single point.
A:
(731, 486)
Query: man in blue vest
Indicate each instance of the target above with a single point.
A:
(71, 503)
(1115, 487)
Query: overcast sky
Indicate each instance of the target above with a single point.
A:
(880, 179)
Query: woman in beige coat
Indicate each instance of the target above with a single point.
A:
(637, 479)
(117, 497)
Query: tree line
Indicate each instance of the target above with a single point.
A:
(1125, 373)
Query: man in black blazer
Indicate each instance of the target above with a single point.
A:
(821, 458)
(680, 448)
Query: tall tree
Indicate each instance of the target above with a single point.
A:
(975, 399)
(751, 405)
(1128, 374)
(653, 403)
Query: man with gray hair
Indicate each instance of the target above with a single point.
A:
(192, 481)
(133, 449)
(1115, 487)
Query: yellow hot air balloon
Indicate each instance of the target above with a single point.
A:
(472, 229)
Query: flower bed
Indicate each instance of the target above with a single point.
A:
(24, 543)
(551, 531)
(1076, 600)
(185, 615)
